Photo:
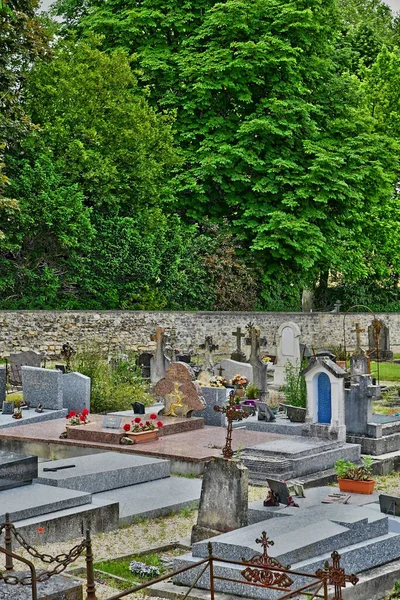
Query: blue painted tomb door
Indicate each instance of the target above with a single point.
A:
(324, 399)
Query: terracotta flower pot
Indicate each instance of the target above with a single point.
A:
(356, 487)
(142, 436)
(341, 363)
(240, 392)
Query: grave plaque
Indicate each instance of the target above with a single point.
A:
(279, 494)
(8, 408)
(138, 408)
(111, 422)
(390, 505)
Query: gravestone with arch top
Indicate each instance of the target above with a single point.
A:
(325, 399)
(288, 350)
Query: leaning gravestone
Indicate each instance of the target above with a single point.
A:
(230, 368)
(288, 350)
(22, 359)
(42, 386)
(76, 391)
(378, 341)
(181, 394)
(224, 499)
(3, 384)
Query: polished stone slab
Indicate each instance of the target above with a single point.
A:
(55, 588)
(102, 472)
(20, 467)
(29, 417)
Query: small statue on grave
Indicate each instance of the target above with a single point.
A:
(17, 413)
(177, 396)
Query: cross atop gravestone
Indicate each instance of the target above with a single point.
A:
(232, 413)
(238, 354)
(259, 368)
(208, 346)
(220, 370)
(254, 340)
(358, 331)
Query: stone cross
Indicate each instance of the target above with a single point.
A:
(220, 370)
(232, 413)
(238, 354)
(358, 331)
(158, 363)
(259, 368)
(170, 338)
(208, 348)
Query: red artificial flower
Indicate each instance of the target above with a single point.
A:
(137, 420)
(153, 416)
(85, 412)
(159, 425)
(126, 427)
(40, 529)
(82, 418)
(147, 423)
(71, 414)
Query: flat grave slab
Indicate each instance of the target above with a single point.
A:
(102, 472)
(154, 498)
(36, 499)
(56, 588)
(95, 432)
(30, 416)
(20, 467)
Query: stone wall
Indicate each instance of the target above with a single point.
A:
(46, 331)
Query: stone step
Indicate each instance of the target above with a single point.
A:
(36, 500)
(20, 467)
(10, 484)
(154, 498)
(102, 472)
(56, 588)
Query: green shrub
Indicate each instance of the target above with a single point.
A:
(252, 392)
(114, 385)
(295, 388)
(348, 470)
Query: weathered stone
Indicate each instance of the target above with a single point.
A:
(230, 368)
(288, 350)
(3, 382)
(22, 359)
(224, 498)
(181, 394)
(359, 365)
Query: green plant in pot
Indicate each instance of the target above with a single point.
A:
(252, 392)
(354, 478)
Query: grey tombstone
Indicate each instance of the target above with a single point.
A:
(260, 369)
(378, 341)
(359, 365)
(42, 386)
(238, 354)
(3, 384)
(233, 367)
(224, 499)
(213, 396)
(159, 363)
(22, 359)
(358, 405)
(76, 391)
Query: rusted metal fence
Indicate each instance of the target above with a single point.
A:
(262, 571)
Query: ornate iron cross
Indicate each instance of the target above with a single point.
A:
(232, 413)
(263, 563)
(336, 576)
(358, 331)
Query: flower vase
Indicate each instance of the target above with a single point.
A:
(239, 391)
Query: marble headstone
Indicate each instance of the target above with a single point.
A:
(42, 386)
(181, 394)
(233, 367)
(288, 350)
(76, 391)
(22, 359)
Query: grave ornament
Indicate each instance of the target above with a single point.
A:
(67, 351)
(138, 408)
(260, 369)
(279, 494)
(378, 341)
(181, 394)
(232, 413)
(8, 408)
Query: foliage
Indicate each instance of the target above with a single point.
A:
(340, 353)
(348, 470)
(295, 386)
(252, 392)
(112, 388)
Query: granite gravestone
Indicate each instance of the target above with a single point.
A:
(358, 405)
(181, 394)
(359, 365)
(238, 355)
(76, 391)
(42, 386)
(213, 396)
(22, 359)
(288, 350)
(378, 341)
(224, 499)
(260, 369)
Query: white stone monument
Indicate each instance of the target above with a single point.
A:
(288, 350)
(325, 399)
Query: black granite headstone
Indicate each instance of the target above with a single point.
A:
(138, 408)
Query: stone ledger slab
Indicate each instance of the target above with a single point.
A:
(19, 467)
(42, 386)
(102, 472)
(56, 588)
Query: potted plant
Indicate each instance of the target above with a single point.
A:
(355, 478)
(251, 396)
(139, 431)
(77, 418)
(240, 382)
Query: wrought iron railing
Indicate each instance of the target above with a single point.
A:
(261, 571)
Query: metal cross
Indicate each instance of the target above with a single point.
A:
(358, 331)
(232, 413)
(336, 576)
(265, 542)
(208, 344)
(220, 370)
